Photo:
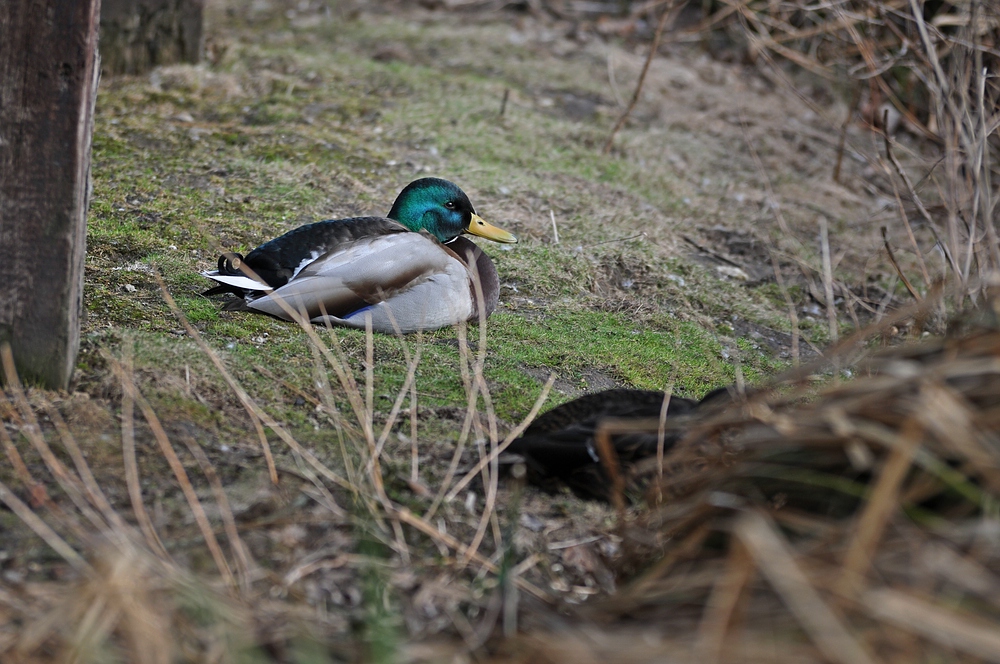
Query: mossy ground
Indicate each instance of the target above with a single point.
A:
(279, 134)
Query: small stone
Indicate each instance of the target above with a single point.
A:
(532, 523)
(732, 272)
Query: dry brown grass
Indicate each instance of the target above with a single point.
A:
(861, 517)
(123, 594)
(928, 69)
(856, 523)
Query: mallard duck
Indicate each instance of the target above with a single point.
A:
(559, 447)
(409, 271)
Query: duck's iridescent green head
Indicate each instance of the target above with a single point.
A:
(443, 210)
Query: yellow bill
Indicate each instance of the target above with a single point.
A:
(479, 226)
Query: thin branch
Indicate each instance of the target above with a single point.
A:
(831, 310)
(911, 190)
(642, 78)
(899, 271)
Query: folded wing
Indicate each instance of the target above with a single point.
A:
(402, 281)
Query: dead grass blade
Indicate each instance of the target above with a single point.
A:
(517, 431)
(167, 449)
(128, 457)
(35, 489)
(257, 413)
(882, 502)
(911, 190)
(244, 564)
(42, 529)
(833, 320)
(776, 561)
(375, 450)
(32, 431)
(408, 388)
(253, 412)
(406, 516)
(722, 603)
(490, 476)
(963, 632)
(609, 460)
(472, 396)
(661, 431)
(366, 422)
(414, 448)
(895, 264)
(93, 490)
(119, 597)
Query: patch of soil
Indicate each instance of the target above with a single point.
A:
(575, 105)
(779, 343)
(589, 380)
(741, 248)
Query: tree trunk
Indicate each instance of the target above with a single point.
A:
(48, 85)
(137, 35)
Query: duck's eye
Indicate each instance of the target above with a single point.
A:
(450, 205)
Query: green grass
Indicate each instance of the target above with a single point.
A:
(321, 130)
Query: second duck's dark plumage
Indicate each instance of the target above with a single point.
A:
(559, 446)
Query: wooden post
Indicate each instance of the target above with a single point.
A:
(48, 85)
(137, 35)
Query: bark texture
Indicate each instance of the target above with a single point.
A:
(48, 85)
(137, 35)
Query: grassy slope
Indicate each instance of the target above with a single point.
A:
(297, 125)
(294, 125)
